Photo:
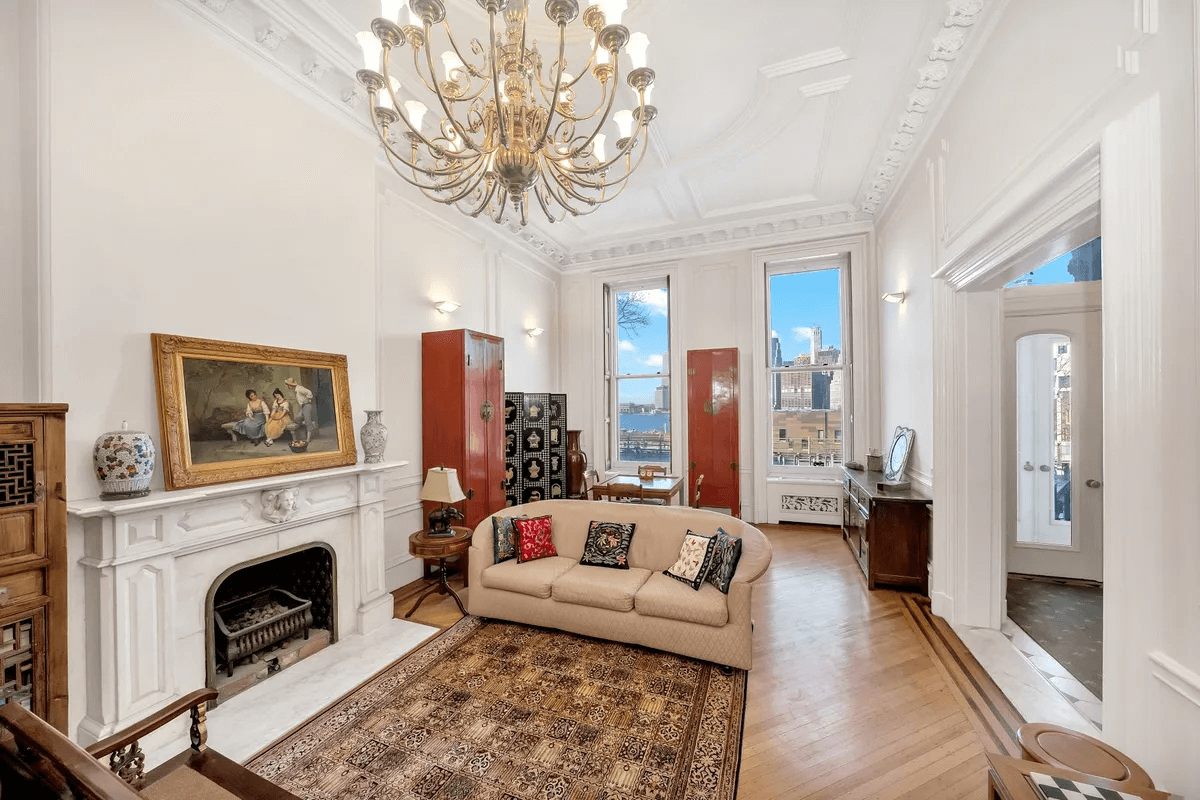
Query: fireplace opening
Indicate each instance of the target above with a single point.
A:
(268, 614)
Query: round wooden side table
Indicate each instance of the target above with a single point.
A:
(422, 545)
(1062, 747)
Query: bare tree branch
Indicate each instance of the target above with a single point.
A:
(632, 312)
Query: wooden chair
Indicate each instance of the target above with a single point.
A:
(620, 493)
(650, 470)
(38, 762)
(696, 493)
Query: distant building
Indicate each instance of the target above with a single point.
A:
(776, 361)
(662, 397)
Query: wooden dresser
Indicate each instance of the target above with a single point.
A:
(888, 532)
(33, 559)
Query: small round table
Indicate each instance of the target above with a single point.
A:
(422, 545)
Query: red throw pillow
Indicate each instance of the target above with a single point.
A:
(533, 538)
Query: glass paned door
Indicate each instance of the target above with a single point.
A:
(1044, 440)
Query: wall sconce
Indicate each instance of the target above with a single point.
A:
(534, 332)
(447, 306)
(895, 297)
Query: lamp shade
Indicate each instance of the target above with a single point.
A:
(441, 486)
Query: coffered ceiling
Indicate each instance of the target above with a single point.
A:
(773, 116)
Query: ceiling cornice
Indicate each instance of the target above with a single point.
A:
(932, 75)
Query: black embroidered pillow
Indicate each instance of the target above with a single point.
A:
(695, 560)
(726, 552)
(504, 538)
(607, 544)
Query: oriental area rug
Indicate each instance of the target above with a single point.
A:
(494, 710)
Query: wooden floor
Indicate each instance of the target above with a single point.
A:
(846, 699)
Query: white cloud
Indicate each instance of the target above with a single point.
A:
(626, 346)
(654, 362)
(803, 334)
(656, 301)
(774, 333)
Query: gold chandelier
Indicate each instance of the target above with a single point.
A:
(509, 131)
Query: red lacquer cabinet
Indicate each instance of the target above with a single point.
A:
(462, 401)
(712, 387)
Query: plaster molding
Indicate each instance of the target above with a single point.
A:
(931, 77)
(820, 58)
(730, 235)
(271, 36)
(216, 5)
(825, 87)
(1067, 201)
(1176, 676)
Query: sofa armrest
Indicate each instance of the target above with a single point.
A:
(756, 556)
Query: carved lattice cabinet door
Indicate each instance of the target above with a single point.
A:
(33, 596)
(713, 419)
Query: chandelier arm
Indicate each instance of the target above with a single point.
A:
(496, 81)
(629, 170)
(604, 101)
(382, 134)
(402, 111)
(484, 203)
(417, 66)
(587, 68)
(476, 48)
(556, 173)
(392, 157)
(467, 140)
(562, 52)
(638, 135)
(479, 174)
(539, 192)
(498, 215)
(607, 112)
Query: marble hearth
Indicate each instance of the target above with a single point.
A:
(148, 565)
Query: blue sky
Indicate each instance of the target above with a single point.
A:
(641, 353)
(801, 301)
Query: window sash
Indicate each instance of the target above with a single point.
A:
(612, 415)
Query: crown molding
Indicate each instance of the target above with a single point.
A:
(933, 73)
(820, 58)
(731, 235)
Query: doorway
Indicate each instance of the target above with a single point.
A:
(1053, 445)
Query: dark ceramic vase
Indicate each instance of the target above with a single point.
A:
(576, 465)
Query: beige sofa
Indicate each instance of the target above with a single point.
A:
(639, 605)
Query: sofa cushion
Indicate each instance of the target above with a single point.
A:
(533, 578)
(695, 560)
(504, 538)
(662, 596)
(599, 587)
(607, 544)
(726, 552)
(534, 539)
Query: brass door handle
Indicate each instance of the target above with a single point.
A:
(1044, 468)
(1092, 483)
(470, 494)
(487, 411)
(1028, 467)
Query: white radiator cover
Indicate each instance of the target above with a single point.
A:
(815, 502)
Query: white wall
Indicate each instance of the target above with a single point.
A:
(426, 254)
(1044, 88)
(193, 193)
(905, 251)
(14, 319)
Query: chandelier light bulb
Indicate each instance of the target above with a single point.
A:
(638, 43)
(624, 120)
(415, 110)
(372, 48)
(598, 147)
(453, 65)
(414, 18)
(649, 91)
(390, 9)
(564, 95)
(384, 99)
(613, 9)
(602, 55)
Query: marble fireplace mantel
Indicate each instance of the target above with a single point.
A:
(148, 564)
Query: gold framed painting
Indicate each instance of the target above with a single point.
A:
(232, 412)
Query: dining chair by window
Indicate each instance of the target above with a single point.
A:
(696, 494)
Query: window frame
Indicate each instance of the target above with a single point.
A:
(612, 380)
(813, 263)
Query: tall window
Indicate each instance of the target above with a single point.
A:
(638, 372)
(808, 363)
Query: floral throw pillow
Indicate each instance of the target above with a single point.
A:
(727, 550)
(504, 538)
(533, 538)
(608, 544)
(695, 560)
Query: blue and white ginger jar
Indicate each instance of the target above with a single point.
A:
(124, 462)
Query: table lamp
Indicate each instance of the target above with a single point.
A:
(441, 486)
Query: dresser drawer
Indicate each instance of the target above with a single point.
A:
(20, 588)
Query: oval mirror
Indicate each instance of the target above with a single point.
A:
(897, 458)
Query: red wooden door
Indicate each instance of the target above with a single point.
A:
(475, 476)
(495, 428)
(713, 427)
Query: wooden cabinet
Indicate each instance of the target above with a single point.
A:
(33, 560)
(462, 401)
(712, 388)
(888, 533)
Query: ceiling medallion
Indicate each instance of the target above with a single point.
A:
(509, 134)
